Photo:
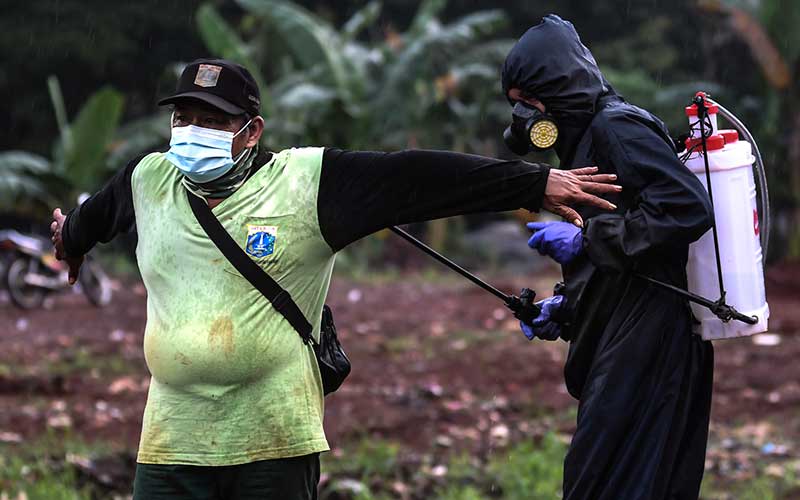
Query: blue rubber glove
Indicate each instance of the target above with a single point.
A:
(560, 240)
(543, 326)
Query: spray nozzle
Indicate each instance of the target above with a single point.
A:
(523, 306)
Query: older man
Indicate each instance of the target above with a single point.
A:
(235, 404)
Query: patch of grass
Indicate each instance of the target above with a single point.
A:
(38, 469)
(401, 344)
(763, 487)
(38, 480)
(82, 360)
(465, 480)
(362, 471)
(455, 492)
(369, 469)
(366, 459)
(530, 471)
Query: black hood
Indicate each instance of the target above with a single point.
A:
(551, 64)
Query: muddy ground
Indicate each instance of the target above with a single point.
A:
(438, 365)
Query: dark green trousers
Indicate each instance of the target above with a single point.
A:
(282, 479)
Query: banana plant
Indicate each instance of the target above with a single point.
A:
(80, 153)
(434, 85)
(79, 159)
(313, 41)
(25, 182)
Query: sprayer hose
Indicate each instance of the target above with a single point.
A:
(761, 178)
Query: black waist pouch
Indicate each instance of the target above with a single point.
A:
(334, 365)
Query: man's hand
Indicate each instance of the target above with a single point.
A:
(573, 187)
(74, 263)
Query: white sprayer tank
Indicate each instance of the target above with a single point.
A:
(735, 210)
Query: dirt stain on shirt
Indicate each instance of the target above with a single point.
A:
(220, 336)
(182, 359)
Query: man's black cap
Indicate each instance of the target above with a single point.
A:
(220, 83)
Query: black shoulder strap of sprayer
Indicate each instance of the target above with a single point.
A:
(702, 116)
(261, 281)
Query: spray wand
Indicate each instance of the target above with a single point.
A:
(523, 306)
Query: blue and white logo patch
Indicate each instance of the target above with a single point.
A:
(260, 240)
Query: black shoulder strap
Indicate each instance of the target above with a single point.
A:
(269, 288)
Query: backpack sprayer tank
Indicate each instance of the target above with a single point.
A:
(730, 162)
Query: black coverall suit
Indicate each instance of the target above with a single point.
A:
(642, 378)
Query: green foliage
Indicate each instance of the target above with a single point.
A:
(37, 469)
(530, 471)
(456, 492)
(312, 42)
(88, 44)
(367, 87)
(363, 18)
(646, 48)
(37, 481)
(137, 137)
(366, 459)
(762, 487)
(464, 480)
(23, 180)
(781, 18)
(428, 12)
(82, 157)
(526, 471)
(222, 39)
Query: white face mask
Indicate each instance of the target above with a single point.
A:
(203, 154)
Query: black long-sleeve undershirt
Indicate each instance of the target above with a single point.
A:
(360, 192)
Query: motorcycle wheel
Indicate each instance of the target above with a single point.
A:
(3, 268)
(94, 284)
(23, 295)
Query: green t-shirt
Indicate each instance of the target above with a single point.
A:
(232, 382)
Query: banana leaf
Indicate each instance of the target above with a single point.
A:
(60, 110)
(25, 179)
(313, 42)
(83, 160)
(364, 17)
(137, 137)
(428, 11)
(222, 40)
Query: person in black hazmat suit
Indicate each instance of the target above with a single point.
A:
(642, 378)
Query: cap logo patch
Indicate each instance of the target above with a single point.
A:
(207, 75)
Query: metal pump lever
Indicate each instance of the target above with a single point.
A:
(523, 306)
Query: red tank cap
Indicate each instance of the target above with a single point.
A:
(710, 105)
(730, 135)
(713, 143)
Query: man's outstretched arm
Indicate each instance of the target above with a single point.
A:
(362, 192)
(99, 219)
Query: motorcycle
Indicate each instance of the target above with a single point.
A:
(30, 272)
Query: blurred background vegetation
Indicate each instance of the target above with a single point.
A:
(84, 77)
(80, 80)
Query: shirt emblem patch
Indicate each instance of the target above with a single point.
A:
(207, 75)
(260, 240)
